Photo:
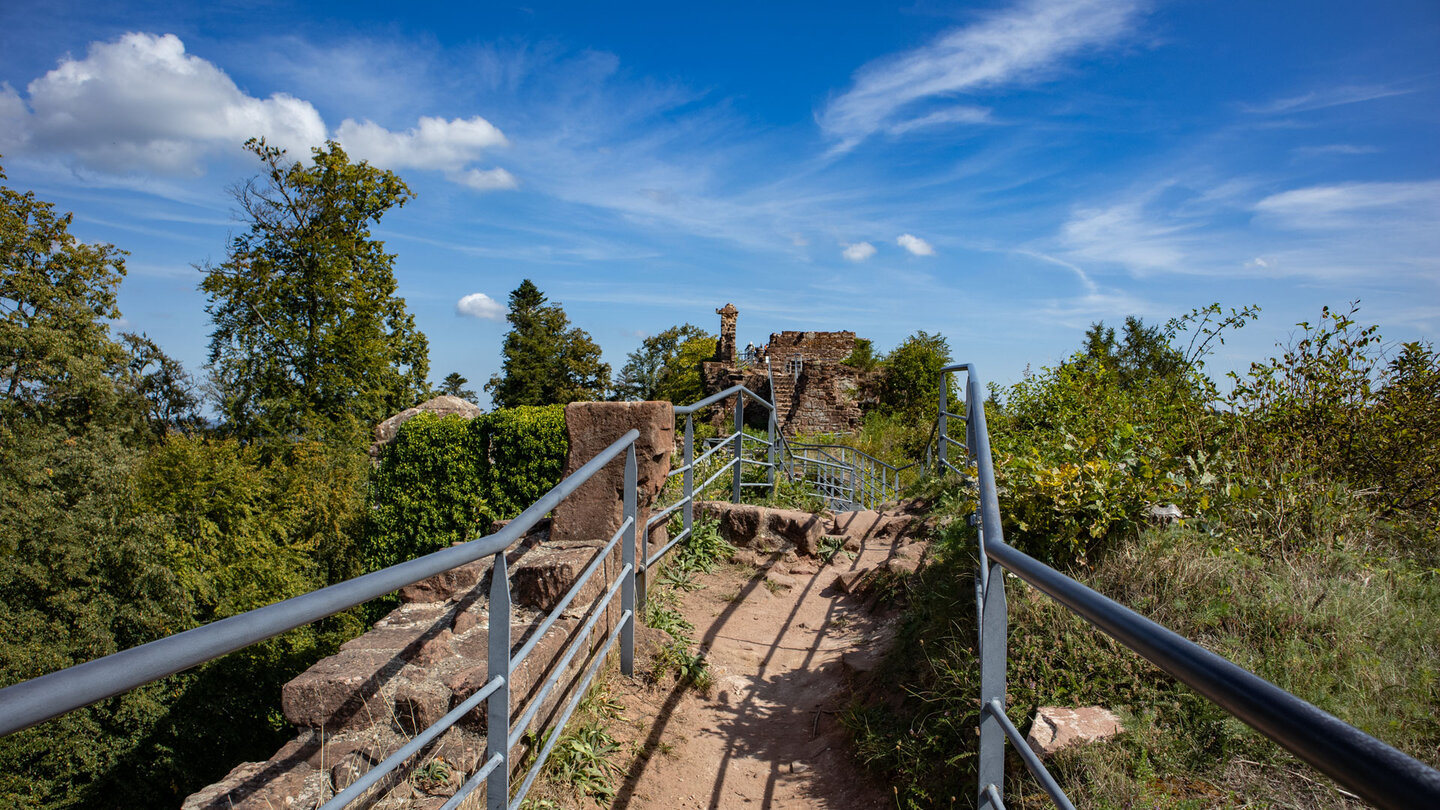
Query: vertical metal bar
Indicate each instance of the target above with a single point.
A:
(941, 428)
(497, 706)
(627, 559)
(739, 445)
(770, 452)
(993, 622)
(688, 478)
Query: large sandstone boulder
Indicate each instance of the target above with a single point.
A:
(1057, 727)
(443, 405)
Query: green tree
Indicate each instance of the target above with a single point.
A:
(648, 368)
(863, 356)
(58, 362)
(454, 385)
(165, 387)
(682, 384)
(912, 375)
(308, 329)
(546, 361)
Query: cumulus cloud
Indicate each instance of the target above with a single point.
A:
(480, 305)
(1019, 44)
(858, 252)
(434, 144)
(915, 245)
(141, 103)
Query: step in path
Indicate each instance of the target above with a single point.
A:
(784, 634)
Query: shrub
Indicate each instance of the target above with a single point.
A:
(444, 480)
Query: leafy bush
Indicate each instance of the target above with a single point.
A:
(445, 479)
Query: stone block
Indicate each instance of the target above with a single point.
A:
(447, 585)
(594, 511)
(747, 526)
(1057, 727)
(343, 691)
(544, 575)
(263, 786)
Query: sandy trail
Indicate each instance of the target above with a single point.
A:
(768, 734)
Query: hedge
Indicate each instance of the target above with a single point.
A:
(445, 479)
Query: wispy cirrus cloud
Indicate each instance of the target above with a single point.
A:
(1327, 97)
(1019, 45)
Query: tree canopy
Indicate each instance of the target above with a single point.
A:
(545, 360)
(656, 366)
(912, 374)
(308, 329)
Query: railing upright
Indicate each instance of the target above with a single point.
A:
(497, 707)
(628, 561)
(739, 445)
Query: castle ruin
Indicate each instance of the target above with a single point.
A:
(813, 391)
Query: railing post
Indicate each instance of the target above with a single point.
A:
(739, 444)
(497, 706)
(627, 558)
(688, 477)
(770, 453)
(941, 427)
(993, 623)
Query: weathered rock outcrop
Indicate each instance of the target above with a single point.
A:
(443, 405)
(746, 526)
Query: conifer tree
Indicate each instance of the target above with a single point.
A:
(546, 361)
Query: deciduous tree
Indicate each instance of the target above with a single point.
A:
(308, 329)
(650, 367)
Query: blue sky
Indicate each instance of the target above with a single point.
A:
(1002, 173)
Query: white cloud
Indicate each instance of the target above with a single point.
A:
(434, 144)
(1125, 234)
(1351, 204)
(1020, 44)
(1335, 149)
(141, 103)
(915, 245)
(484, 179)
(858, 252)
(962, 114)
(480, 305)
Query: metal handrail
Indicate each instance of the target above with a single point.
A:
(1377, 772)
(37, 700)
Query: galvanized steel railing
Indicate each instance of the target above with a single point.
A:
(26, 704)
(845, 477)
(1376, 772)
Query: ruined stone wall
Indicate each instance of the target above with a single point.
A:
(356, 707)
(834, 346)
(825, 400)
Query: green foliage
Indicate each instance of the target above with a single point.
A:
(163, 385)
(58, 362)
(912, 375)
(649, 369)
(546, 361)
(682, 383)
(582, 760)
(863, 356)
(444, 479)
(526, 448)
(308, 329)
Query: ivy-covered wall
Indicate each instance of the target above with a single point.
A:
(445, 479)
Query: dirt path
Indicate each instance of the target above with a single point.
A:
(782, 640)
